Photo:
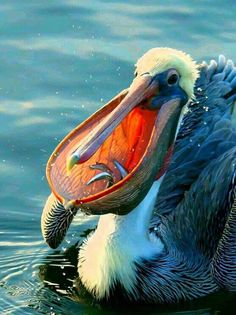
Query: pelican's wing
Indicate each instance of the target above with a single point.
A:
(199, 219)
(224, 262)
(206, 132)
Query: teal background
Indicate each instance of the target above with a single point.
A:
(59, 62)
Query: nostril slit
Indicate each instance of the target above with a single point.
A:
(145, 73)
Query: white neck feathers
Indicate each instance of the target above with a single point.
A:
(110, 253)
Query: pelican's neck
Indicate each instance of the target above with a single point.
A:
(109, 254)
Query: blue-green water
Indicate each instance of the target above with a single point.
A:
(60, 61)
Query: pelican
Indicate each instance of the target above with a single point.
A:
(158, 164)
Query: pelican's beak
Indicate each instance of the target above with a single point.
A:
(140, 90)
(126, 141)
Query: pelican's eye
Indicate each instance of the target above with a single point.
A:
(173, 77)
(135, 73)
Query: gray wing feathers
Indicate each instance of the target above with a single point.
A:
(201, 215)
(224, 262)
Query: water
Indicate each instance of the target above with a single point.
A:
(59, 62)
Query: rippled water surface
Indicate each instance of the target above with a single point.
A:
(59, 62)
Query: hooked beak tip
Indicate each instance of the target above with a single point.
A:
(71, 161)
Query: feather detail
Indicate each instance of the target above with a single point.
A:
(55, 221)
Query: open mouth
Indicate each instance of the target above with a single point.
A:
(109, 162)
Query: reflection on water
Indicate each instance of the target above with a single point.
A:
(60, 61)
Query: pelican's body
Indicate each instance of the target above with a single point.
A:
(179, 242)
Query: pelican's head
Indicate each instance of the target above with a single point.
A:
(109, 162)
(179, 68)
